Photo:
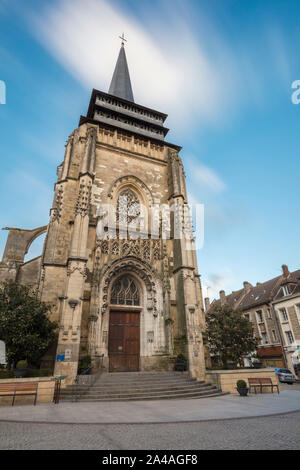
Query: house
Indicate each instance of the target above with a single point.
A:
(273, 308)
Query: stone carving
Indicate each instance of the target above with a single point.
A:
(134, 181)
(77, 267)
(115, 249)
(83, 200)
(156, 249)
(146, 254)
(55, 212)
(104, 247)
(145, 249)
(130, 265)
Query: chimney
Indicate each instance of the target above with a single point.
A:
(285, 270)
(207, 303)
(247, 285)
(222, 297)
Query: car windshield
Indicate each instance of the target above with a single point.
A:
(285, 371)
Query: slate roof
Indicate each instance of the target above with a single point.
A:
(260, 294)
(121, 84)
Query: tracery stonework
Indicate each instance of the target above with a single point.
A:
(118, 155)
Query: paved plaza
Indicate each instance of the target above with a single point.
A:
(164, 411)
(277, 432)
(267, 421)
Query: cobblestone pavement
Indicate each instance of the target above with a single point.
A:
(276, 432)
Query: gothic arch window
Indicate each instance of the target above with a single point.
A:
(124, 292)
(128, 207)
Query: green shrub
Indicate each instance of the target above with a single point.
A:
(241, 384)
(22, 365)
(38, 373)
(85, 362)
(6, 374)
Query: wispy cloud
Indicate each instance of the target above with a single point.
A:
(214, 282)
(205, 177)
(177, 76)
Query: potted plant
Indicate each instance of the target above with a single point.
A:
(242, 388)
(21, 369)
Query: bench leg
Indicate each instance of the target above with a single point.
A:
(35, 398)
(13, 402)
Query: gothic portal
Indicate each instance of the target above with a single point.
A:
(136, 300)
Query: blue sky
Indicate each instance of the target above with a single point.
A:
(222, 70)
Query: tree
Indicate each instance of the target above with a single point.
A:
(229, 335)
(24, 325)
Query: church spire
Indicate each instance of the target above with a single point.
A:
(120, 84)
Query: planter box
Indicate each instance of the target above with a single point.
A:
(226, 379)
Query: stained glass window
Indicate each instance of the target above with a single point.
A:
(128, 207)
(124, 292)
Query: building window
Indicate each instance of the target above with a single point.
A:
(269, 313)
(289, 337)
(260, 317)
(274, 335)
(285, 290)
(265, 338)
(128, 209)
(124, 292)
(284, 315)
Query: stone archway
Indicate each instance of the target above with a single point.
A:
(130, 265)
(124, 324)
(150, 310)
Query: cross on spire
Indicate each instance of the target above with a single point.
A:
(123, 39)
(120, 84)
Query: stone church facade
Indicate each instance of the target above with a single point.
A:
(131, 303)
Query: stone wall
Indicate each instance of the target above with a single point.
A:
(226, 379)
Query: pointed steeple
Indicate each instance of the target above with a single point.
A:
(121, 85)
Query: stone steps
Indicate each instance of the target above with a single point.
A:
(133, 389)
(128, 385)
(139, 391)
(135, 386)
(148, 397)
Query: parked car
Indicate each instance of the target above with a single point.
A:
(285, 376)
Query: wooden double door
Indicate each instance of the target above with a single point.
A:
(124, 341)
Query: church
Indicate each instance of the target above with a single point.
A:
(124, 289)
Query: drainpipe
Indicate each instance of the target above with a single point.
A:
(279, 333)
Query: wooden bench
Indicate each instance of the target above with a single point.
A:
(267, 382)
(261, 382)
(19, 389)
(253, 383)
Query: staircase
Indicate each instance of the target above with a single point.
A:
(133, 386)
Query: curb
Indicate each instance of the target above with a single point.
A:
(152, 422)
